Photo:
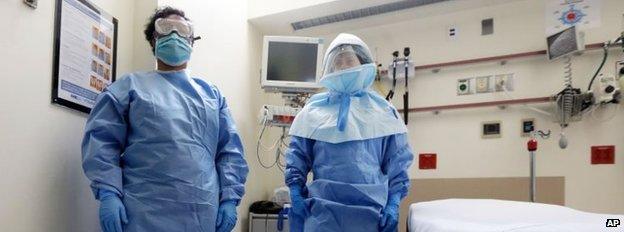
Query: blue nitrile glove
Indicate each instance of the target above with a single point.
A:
(226, 217)
(112, 211)
(298, 210)
(390, 214)
(297, 200)
(295, 222)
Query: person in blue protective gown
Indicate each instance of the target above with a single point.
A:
(161, 148)
(354, 143)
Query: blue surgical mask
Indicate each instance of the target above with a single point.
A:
(350, 80)
(173, 50)
(344, 84)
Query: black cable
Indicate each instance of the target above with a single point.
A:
(604, 58)
(277, 159)
(617, 40)
(406, 53)
(258, 149)
(395, 56)
(283, 145)
(605, 49)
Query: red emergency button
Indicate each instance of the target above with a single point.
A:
(532, 145)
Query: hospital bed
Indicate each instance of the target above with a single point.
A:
(477, 204)
(487, 215)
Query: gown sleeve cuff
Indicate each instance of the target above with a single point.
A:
(98, 187)
(230, 194)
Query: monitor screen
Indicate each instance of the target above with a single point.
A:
(562, 43)
(288, 61)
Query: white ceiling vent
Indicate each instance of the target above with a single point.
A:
(361, 13)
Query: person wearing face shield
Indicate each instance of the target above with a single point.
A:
(354, 143)
(160, 148)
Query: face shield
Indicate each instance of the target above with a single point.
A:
(346, 56)
(165, 26)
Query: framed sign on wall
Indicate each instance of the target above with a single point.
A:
(85, 53)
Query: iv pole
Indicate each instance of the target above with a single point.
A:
(532, 147)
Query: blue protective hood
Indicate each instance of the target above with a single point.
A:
(349, 111)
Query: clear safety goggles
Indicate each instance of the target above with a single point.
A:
(345, 57)
(165, 26)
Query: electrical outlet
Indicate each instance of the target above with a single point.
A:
(528, 126)
(491, 129)
(483, 84)
(463, 87)
(452, 32)
(504, 79)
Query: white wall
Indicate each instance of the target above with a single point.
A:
(454, 136)
(43, 186)
(142, 56)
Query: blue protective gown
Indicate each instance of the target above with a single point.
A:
(352, 180)
(167, 144)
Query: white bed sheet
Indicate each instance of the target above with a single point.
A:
(485, 215)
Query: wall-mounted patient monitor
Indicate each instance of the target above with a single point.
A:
(565, 43)
(291, 64)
